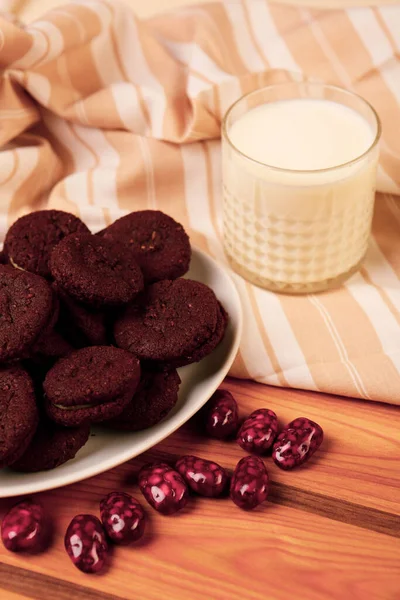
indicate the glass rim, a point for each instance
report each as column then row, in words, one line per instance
column 328, row 86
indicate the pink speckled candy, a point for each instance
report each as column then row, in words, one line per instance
column 249, row 484
column 86, row 544
column 222, row 415
column 297, row 443
column 23, row 528
column 204, row 477
column 258, row 431
column 163, row 488
column 123, row 517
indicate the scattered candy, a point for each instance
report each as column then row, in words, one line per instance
column 123, row 517
column 163, row 488
column 249, row 484
column 258, row 431
column 24, row 528
column 85, row 543
column 297, row 443
column 204, row 477
column 222, row 415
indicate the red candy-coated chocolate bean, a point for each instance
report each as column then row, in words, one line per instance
column 163, row 488
column 23, row 528
column 249, row 484
column 86, row 544
column 297, row 443
column 222, row 415
column 123, row 517
column 204, row 477
column 258, row 431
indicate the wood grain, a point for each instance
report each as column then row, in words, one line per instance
column 13, row 595
column 358, row 461
column 329, row 528
column 215, row 551
column 343, row 511
column 15, row 578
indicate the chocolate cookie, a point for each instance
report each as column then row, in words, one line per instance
column 90, row 385
column 82, row 325
column 55, row 313
column 170, row 320
column 18, row 413
column 51, row 446
column 156, row 395
column 96, row 271
column 159, row 244
column 209, row 345
column 37, row 367
column 51, row 345
column 31, row 239
column 48, row 338
column 26, row 310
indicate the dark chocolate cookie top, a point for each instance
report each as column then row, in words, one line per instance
column 51, row 446
column 18, row 413
column 170, row 320
column 155, row 397
column 208, row 345
column 31, row 239
column 160, row 244
column 26, row 308
column 92, row 376
column 96, row 271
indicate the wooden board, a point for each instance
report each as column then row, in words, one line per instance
column 330, row 529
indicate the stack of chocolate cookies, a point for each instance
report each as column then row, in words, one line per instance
column 93, row 329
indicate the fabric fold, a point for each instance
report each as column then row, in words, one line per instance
column 102, row 113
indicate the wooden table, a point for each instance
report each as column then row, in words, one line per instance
column 329, row 530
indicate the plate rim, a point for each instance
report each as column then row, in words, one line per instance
column 91, row 471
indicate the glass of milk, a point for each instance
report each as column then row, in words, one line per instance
column 299, row 177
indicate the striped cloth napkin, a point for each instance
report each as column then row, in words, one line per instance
column 101, row 114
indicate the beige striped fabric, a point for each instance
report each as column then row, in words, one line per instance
column 29, row 10
column 101, row 113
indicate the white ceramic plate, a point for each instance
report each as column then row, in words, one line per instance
column 108, row 449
